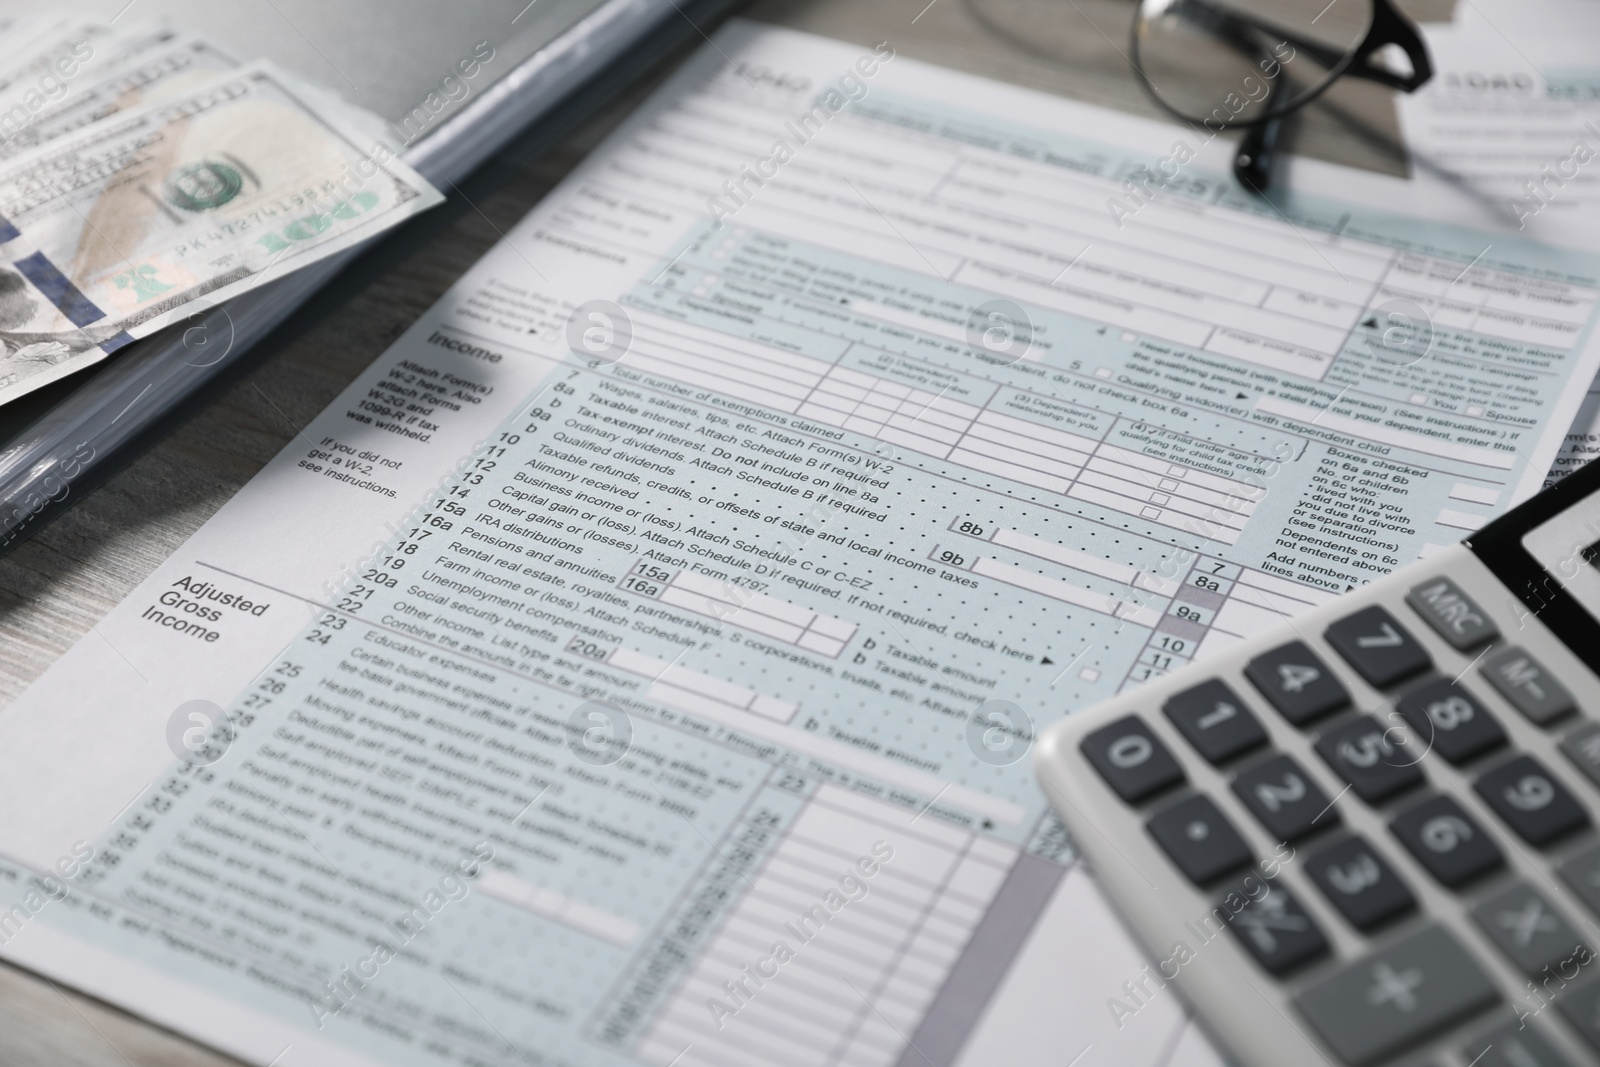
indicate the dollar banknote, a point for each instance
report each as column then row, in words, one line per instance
column 118, row 228
column 119, row 76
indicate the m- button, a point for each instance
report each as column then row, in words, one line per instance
column 1452, row 614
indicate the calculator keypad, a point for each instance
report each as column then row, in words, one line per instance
column 1446, row 719
column 1131, row 759
column 1381, row 650
column 1531, row 801
column 1199, row 839
column 1362, row 753
column 1297, row 683
column 1215, row 721
column 1406, row 978
column 1446, row 841
column 1284, row 798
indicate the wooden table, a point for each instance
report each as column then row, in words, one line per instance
column 56, row 586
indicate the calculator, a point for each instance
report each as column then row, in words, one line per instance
column 1368, row 836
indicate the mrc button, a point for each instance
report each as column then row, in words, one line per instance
column 1131, row 760
column 1452, row 614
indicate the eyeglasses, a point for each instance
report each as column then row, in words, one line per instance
column 1232, row 63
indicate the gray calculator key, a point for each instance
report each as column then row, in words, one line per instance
column 1446, row 840
column 1452, row 614
column 1447, row 719
column 1378, row 1005
column 1531, row 800
column 1271, row 925
column 1356, row 880
column 1582, row 875
column 1215, row 721
column 1296, row 682
column 1131, row 759
column 1512, row 1044
column 1531, row 932
column 1381, row 650
column 1582, row 747
column 1284, row 798
column 1529, row 687
column 1199, row 839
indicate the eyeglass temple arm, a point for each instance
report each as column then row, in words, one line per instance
column 1257, row 152
column 1388, row 27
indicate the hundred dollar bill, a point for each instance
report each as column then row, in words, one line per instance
column 159, row 68
column 115, row 230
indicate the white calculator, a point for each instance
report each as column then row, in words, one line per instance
column 1368, row 836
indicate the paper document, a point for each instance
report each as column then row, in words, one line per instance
column 638, row 663
column 1513, row 115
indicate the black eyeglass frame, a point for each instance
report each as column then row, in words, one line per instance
column 1252, row 163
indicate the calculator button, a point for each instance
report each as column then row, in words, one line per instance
column 1382, row 1003
column 1215, row 721
column 1378, row 647
column 1284, row 798
column 1362, row 753
column 1446, row 840
column 1452, row 614
column 1582, row 747
column 1297, row 683
column 1529, row 930
column 1530, row 800
column 1199, row 839
column 1582, row 875
column 1529, row 688
column 1446, row 719
column 1131, row 760
column 1271, row 924
column 1512, row 1044
column 1357, row 881
column 1581, row 1006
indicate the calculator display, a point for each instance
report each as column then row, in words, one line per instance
column 1563, row 584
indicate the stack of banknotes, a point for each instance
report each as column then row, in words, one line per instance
column 146, row 174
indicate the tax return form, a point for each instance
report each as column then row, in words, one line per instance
column 637, row 663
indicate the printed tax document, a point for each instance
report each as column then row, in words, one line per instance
column 1514, row 115
column 637, row 665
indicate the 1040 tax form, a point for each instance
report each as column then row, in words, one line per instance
column 637, row 663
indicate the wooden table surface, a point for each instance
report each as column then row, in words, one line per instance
column 56, row 586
